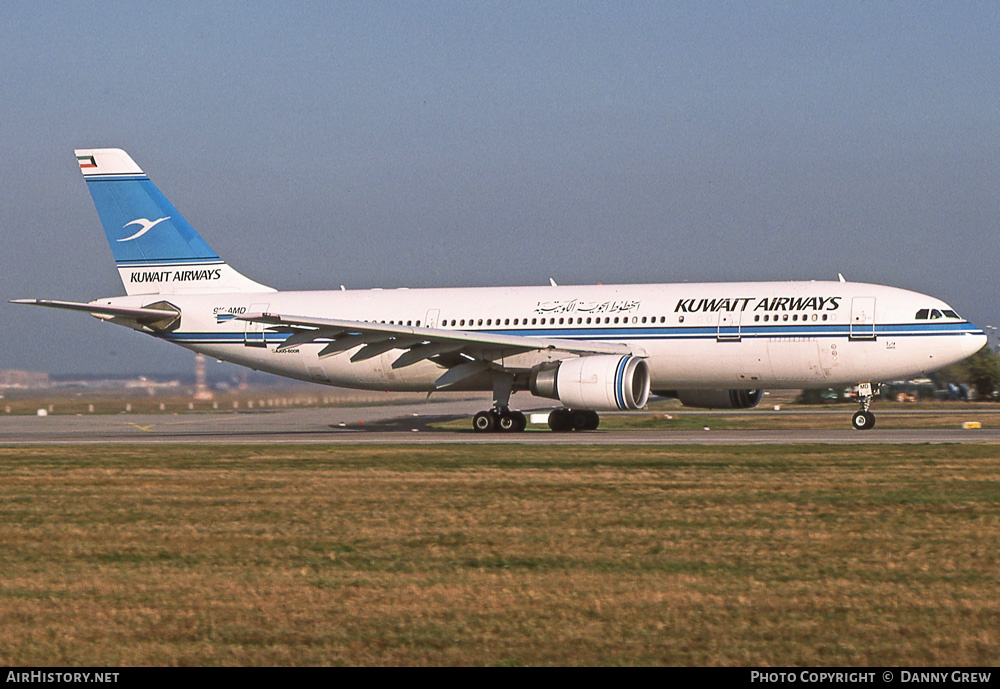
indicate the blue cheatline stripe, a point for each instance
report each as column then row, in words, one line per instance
column 658, row 333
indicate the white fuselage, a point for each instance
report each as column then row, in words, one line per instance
column 693, row 336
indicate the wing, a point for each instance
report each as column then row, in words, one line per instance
column 463, row 353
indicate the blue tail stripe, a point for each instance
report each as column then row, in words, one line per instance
column 129, row 205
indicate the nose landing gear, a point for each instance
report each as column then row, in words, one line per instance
column 864, row 420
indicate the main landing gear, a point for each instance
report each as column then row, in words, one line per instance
column 500, row 418
column 864, row 420
column 503, row 421
column 562, row 420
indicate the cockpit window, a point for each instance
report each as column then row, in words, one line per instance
column 924, row 314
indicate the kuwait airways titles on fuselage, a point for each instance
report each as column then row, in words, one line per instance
column 759, row 304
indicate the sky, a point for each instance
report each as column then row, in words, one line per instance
column 427, row 144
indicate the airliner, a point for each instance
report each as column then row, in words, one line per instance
column 592, row 348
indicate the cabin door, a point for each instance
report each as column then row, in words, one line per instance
column 729, row 326
column 863, row 318
column 253, row 335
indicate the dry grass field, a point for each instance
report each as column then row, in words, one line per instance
column 500, row 555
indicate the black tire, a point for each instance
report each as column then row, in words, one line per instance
column 507, row 423
column 584, row 420
column 863, row 421
column 560, row 420
column 484, row 422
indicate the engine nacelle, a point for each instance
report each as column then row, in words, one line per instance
column 598, row 383
column 719, row 399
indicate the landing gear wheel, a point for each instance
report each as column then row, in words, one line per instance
column 561, row 420
column 485, row 421
column 585, row 420
column 863, row 421
column 512, row 422
column 506, row 422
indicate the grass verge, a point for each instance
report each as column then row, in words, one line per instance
column 500, row 555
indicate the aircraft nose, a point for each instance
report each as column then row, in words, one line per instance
column 973, row 341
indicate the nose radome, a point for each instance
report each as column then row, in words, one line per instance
column 973, row 342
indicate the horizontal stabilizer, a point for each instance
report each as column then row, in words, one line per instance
column 160, row 317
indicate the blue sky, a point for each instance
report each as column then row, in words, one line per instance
column 476, row 143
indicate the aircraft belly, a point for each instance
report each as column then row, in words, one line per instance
column 377, row 373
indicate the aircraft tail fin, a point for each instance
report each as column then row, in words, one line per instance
column 155, row 249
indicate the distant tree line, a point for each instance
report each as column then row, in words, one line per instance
column 981, row 372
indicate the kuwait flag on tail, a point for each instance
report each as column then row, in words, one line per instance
column 86, row 162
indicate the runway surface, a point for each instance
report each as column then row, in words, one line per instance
column 411, row 424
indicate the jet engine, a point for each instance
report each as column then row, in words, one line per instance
column 597, row 383
column 717, row 399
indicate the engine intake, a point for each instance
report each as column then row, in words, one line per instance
column 598, row 383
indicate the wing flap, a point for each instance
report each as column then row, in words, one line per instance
column 478, row 345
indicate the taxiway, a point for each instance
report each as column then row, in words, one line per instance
column 410, row 424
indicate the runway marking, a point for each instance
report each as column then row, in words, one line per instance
column 151, row 426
